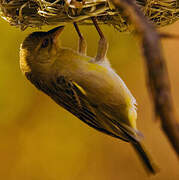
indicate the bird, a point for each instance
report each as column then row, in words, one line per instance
column 88, row 87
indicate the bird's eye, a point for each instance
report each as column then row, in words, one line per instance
column 45, row 43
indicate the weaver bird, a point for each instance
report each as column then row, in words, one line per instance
column 85, row 86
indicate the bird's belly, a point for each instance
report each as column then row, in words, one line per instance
column 108, row 91
column 105, row 87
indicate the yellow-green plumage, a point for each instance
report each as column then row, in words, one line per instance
column 90, row 90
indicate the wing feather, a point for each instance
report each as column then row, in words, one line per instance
column 68, row 95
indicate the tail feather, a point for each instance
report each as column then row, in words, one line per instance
column 125, row 132
column 150, row 167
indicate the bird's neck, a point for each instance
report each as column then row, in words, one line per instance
column 24, row 63
column 30, row 64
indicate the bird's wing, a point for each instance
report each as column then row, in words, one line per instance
column 72, row 97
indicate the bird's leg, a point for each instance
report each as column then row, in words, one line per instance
column 82, row 43
column 102, row 44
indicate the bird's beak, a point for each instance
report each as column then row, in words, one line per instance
column 54, row 33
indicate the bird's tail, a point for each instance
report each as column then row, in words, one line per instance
column 150, row 167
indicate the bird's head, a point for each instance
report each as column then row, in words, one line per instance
column 39, row 48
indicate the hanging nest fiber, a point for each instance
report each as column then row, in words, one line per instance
column 36, row 13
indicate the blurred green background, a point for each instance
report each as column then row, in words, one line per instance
column 41, row 141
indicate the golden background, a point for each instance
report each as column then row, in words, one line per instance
column 41, row 141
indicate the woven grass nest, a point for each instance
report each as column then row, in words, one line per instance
column 36, row 13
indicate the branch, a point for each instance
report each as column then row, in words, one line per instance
column 158, row 80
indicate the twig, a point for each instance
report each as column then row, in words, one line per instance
column 158, row 79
